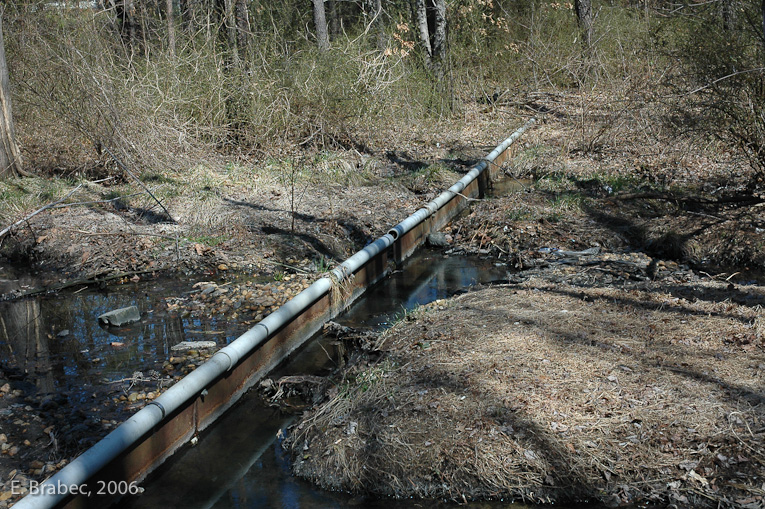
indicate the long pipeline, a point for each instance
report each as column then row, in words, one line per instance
column 195, row 384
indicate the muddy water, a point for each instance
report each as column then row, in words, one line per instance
column 239, row 463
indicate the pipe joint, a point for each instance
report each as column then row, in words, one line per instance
column 158, row 405
column 230, row 360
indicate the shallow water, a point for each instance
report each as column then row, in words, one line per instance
column 239, row 463
column 57, row 342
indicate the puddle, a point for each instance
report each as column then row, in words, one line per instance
column 57, row 343
column 239, row 462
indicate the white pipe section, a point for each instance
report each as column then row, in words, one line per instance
column 55, row 489
column 432, row 207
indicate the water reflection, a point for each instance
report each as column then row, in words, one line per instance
column 22, row 339
column 56, row 343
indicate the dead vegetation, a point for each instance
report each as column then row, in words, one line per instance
column 556, row 389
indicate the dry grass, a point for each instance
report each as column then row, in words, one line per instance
column 548, row 393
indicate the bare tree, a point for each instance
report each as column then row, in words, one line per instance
column 584, row 17
column 334, row 18
column 10, row 157
column 375, row 15
column 320, row 23
column 243, row 28
column 127, row 19
column 170, row 27
column 430, row 20
column 229, row 17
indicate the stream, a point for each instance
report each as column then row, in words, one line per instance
column 57, row 343
column 239, row 462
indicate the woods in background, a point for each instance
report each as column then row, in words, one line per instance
column 151, row 80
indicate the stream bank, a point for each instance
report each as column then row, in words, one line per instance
column 571, row 383
column 621, row 363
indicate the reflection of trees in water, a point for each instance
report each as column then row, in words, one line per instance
column 25, row 343
column 174, row 332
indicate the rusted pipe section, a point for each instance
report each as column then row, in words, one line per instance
column 152, row 434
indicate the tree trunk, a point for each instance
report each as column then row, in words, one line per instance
column 243, row 28
column 728, row 14
column 320, row 22
column 230, row 25
column 421, row 22
column 334, row 18
column 127, row 20
column 170, row 27
column 10, row 157
column 438, row 42
column 379, row 24
column 584, row 17
column 430, row 19
column 762, row 8
column 186, row 11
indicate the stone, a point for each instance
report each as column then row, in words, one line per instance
column 5, row 388
column 120, row 317
column 436, row 239
column 132, row 397
column 64, row 333
column 48, row 403
column 192, row 345
column 3, row 438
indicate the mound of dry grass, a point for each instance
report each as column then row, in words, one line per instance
column 550, row 393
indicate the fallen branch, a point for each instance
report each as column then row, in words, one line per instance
column 140, row 182
column 85, row 281
column 95, row 202
column 48, row 206
column 41, row 209
column 737, row 199
column 104, row 234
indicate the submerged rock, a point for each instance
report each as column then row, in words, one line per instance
column 120, row 317
column 437, row 239
column 193, row 345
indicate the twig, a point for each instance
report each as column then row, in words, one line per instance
column 287, row 266
column 42, row 209
column 706, row 215
column 62, row 286
column 94, row 202
column 718, row 80
column 99, row 234
column 468, row 198
column 48, row 206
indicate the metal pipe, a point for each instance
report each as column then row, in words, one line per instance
column 432, row 207
column 192, row 385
